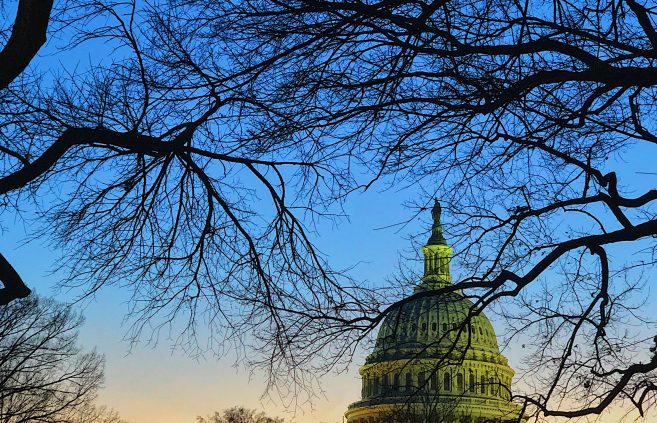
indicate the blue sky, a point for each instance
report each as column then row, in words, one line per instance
column 158, row 383
column 148, row 383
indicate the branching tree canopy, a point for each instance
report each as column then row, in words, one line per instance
column 152, row 165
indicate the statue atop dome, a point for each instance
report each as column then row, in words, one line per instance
column 437, row 237
column 436, row 211
column 437, row 255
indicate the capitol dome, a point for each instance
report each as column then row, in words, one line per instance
column 436, row 358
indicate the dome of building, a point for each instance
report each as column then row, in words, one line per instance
column 436, row 357
column 427, row 327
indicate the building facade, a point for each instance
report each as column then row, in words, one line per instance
column 431, row 363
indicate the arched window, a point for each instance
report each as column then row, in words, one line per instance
column 447, row 382
column 459, row 382
column 421, row 380
column 395, row 383
column 472, row 382
column 483, row 384
column 409, row 381
column 384, row 384
column 434, row 381
column 493, row 386
column 444, row 327
column 424, row 327
column 434, row 326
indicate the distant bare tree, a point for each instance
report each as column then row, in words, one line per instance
column 44, row 375
column 239, row 415
column 93, row 414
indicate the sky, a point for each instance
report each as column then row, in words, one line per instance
column 158, row 383
column 146, row 383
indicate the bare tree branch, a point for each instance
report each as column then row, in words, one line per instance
column 27, row 37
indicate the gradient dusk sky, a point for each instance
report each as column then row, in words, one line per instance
column 158, row 383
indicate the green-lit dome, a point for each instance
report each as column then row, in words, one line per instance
column 427, row 327
column 436, row 357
